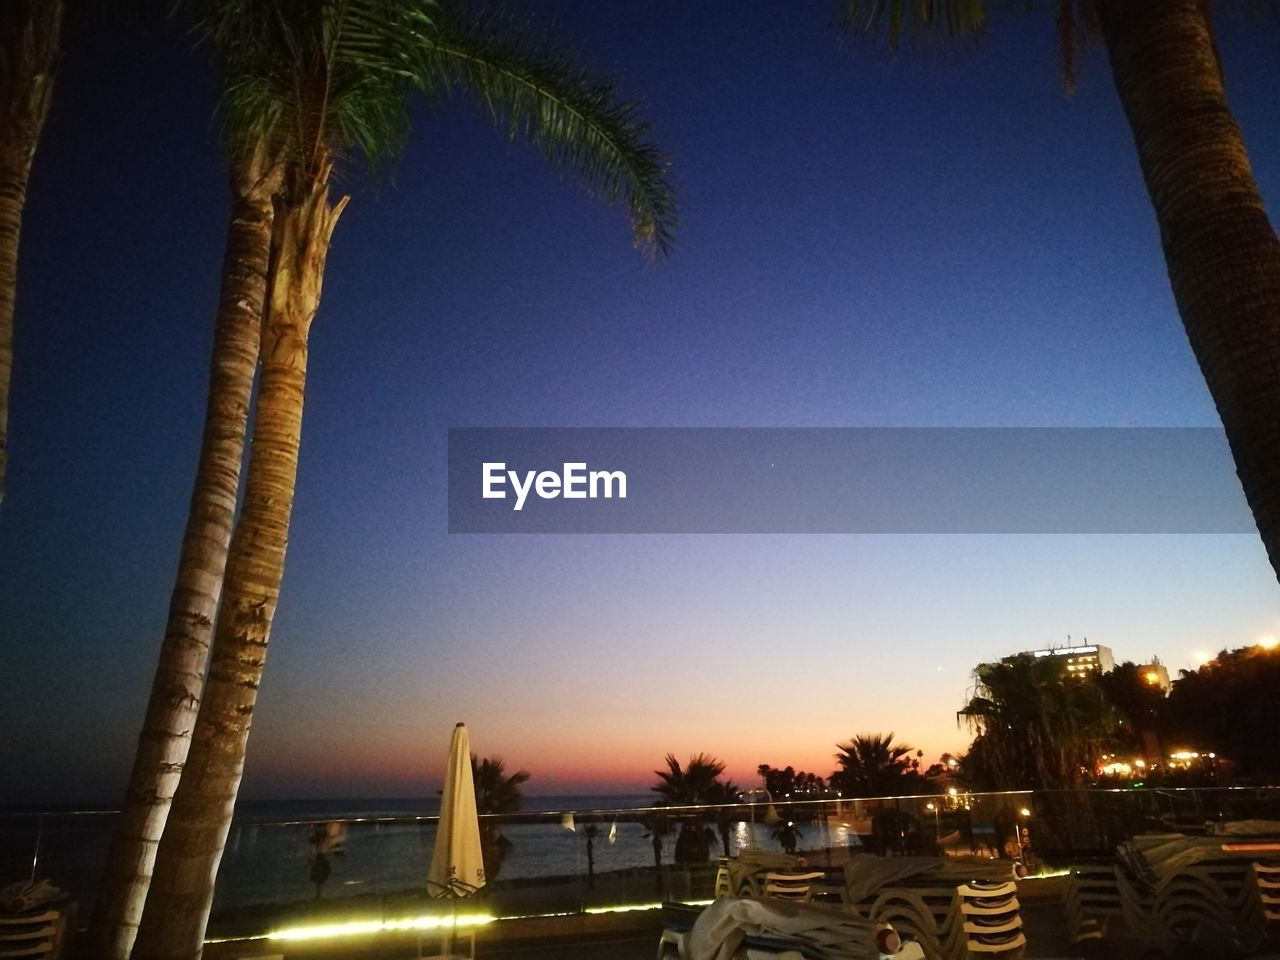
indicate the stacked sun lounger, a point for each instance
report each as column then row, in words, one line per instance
column 953, row 923
column 954, row 909
column 1097, row 893
column 1091, row 899
column 1266, row 885
column 946, row 908
column 35, row 921
column 1173, row 889
column 991, row 920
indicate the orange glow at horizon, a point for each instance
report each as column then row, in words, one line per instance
column 597, row 758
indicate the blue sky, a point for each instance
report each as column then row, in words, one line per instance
column 942, row 240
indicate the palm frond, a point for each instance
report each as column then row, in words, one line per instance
column 920, row 22
column 317, row 79
column 915, row 21
column 540, row 94
column 321, row 79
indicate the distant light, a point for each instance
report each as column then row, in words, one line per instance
column 1152, row 677
column 952, row 790
column 1061, row 651
column 1025, row 812
column 928, row 806
column 1268, row 643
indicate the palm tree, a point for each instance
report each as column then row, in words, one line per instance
column 1038, row 729
column 1220, row 248
column 872, row 765
column 317, row 82
column 787, row 835
column 193, row 605
column 724, row 794
column 689, row 785
column 496, row 793
column 1228, row 705
column 1138, row 701
column 656, row 828
column 692, row 785
column 30, row 33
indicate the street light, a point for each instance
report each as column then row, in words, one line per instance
column 1017, row 826
column 937, row 823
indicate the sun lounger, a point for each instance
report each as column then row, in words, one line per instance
column 35, row 935
column 1173, row 890
column 790, row 886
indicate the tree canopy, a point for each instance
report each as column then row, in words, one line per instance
column 872, row 765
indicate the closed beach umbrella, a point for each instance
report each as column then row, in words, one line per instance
column 457, row 866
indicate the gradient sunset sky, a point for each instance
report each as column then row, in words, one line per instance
column 940, row 240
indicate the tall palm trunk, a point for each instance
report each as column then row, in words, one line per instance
column 177, row 907
column 657, row 860
column 29, row 37
column 1221, row 250
column 184, row 652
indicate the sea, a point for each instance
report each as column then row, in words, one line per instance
column 383, row 846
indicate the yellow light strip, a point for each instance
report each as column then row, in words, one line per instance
column 356, row 928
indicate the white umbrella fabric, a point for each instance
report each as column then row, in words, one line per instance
column 457, row 862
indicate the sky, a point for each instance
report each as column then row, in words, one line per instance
column 942, row 239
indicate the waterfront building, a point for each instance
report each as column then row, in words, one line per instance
column 1156, row 674
column 1079, row 660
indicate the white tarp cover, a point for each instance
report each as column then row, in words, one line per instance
column 825, row 932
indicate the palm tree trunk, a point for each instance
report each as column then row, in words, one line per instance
column 29, row 32
column 657, row 862
column 177, row 908
column 1221, row 250
column 184, row 652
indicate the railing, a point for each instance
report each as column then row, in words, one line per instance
column 569, row 861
